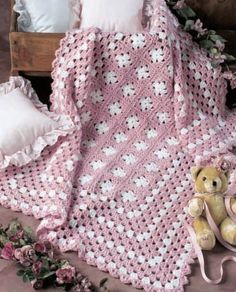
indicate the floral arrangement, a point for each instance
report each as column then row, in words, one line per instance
column 212, row 42
column 38, row 263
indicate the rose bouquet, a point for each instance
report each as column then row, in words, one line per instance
column 39, row 262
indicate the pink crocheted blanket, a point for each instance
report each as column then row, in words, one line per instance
column 145, row 106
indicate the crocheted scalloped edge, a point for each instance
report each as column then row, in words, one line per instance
column 76, row 10
column 24, row 19
column 43, row 230
column 33, row 151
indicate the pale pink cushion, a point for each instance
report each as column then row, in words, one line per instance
column 27, row 126
column 112, row 15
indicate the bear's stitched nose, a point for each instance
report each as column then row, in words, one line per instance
column 214, row 183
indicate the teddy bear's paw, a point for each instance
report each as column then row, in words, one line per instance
column 233, row 205
column 228, row 231
column 195, row 207
column 206, row 240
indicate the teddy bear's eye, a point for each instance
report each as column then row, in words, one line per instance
column 204, row 178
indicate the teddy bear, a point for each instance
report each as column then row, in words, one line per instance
column 211, row 183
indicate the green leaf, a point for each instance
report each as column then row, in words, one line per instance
column 31, row 277
column 20, row 273
column 26, row 278
column 188, row 24
column 230, row 57
column 22, row 242
column 206, row 44
column 14, row 227
column 29, row 233
column 45, row 263
column 47, row 274
column 186, row 12
column 216, row 37
column 3, row 240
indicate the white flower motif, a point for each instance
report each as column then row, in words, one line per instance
column 85, row 179
column 128, row 90
column 138, row 41
column 129, row 159
column 110, row 77
column 79, row 80
column 128, row 196
column 109, row 150
column 172, row 141
column 160, row 88
column 69, row 165
column 119, row 36
column 99, row 63
column 115, row 108
column 79, row 103
column 85, row 117
column 106, row 186
column 123, row 60
column 163, row 118
column 120, row 137
column 64, row 74
column 151, row 167
column 142, row 72
column 157, row 55
column 141, row 146
column 170, row 70
column 111, row 46
column 132, row 122
column 98, row 164
column 118, row 172
column 97, row 96
column 101, row 128
column 146, row 103
column 90, row 143
column 151, row 133
column 83, row 47
column 141, row 182
column 92, row 36
column 162, row 153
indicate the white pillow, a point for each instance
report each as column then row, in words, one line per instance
column 26, row 125
column 112, row 15
column 52, row 16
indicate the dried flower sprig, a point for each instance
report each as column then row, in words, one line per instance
column 212, row 42
column 38, row 263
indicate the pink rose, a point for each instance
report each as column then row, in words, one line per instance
column 7, row 252
column 65, row 275
column 36, row 268
column 223, row 165
column 26, row 255
column 40, row 247
column 198, row 26
column 229, row 75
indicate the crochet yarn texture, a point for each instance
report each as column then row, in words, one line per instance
column 144, row 105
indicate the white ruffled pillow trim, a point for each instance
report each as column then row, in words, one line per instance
column 33, row 151
column 76, row 10
column 23, row 20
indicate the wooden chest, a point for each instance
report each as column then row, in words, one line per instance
column 31, row 53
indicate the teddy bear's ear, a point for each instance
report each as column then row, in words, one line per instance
column 195, row 170
column 227, row 174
